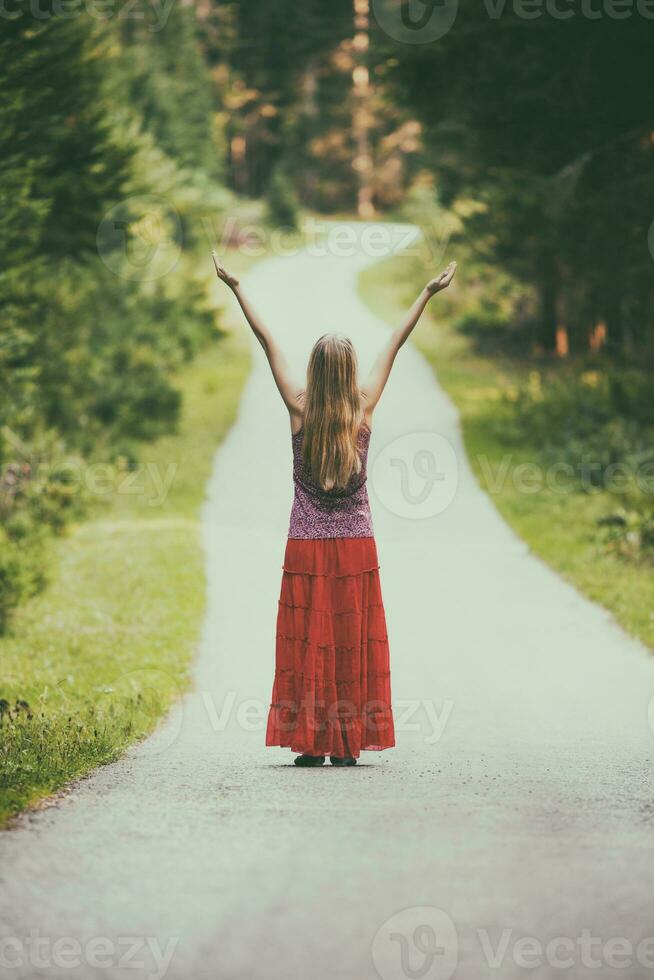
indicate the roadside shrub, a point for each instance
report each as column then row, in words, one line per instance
column 88, row 378
column 576, row 415
column 23, row 570
column 41, row 491
column 492, row 330
column 629, row 533
column 141, row 404
column 599, row 425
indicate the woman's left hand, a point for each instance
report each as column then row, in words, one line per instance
column 442, row 281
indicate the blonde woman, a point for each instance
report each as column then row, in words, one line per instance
column 332, row 690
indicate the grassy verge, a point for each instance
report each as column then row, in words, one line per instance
column 93, row 662
column 562, row 528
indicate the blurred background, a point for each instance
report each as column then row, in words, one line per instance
column 134, row 136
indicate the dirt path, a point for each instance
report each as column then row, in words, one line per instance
column 518, row 802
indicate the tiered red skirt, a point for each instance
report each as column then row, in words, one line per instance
column 332, row 689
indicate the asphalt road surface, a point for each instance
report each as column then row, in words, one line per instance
column 509, row 834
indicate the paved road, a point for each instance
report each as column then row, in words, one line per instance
column 517, row 806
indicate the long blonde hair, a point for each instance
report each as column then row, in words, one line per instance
column 332, row 413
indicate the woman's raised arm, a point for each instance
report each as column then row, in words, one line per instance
column 288, row 388
column 376, row 381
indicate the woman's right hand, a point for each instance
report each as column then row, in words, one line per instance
column 222, row 272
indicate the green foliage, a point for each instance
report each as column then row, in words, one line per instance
column 284, row 79
column 490, row 329
column 93, row 662
column 586, row 425
column 548, row 125
column 40, row 492
column 581, row 415
column 282, row 205
column 164, row 77
column 61, row 163
column 22, row 570
column 86, row 352
column 590, row 524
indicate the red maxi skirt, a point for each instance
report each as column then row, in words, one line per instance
column 332, row 688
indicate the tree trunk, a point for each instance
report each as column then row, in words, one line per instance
column 549, row 309
column 614, row 326
column 361, row 121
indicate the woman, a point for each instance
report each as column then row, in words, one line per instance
column 332, row 693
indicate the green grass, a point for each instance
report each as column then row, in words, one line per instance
column 103, row 652
column 559, row 527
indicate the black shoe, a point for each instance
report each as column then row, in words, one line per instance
column 310, row 760
column 347, row 760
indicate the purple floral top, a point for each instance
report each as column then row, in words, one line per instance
column 318, row 513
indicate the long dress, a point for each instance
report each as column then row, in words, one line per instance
column 332, row 688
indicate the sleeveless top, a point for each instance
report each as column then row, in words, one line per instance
column 318, row 513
